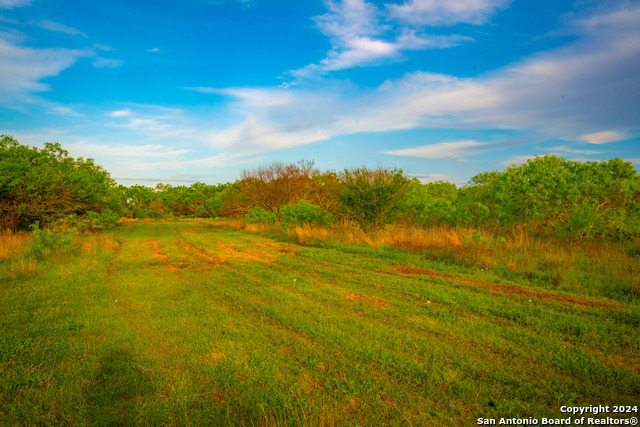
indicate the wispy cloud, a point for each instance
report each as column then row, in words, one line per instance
column 121, row 152
column 442, row 150
column 125, row 159
column 518, row 160
column 360, row 37
column 64, row 111
column 445, row 12
column 152, row 122
column 566, row 149
column 57, row 27
column 23, row 68
column 154, row 50
column 555, row 94
column 602, row 137
column 434, row 177
column 9, row 4
column 107, row 63
column 119, row 113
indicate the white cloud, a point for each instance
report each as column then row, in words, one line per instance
column 565, row 149
column 256, row 136
column 518, row 160
column 565, row 93
column 442, row 150
column 8, row 4
column 123, row 159
column 123, row 152
column 23, row 68
column 154, row 123
column 445, row 12
column 119, row 113
column 154, row 50
column 58, row 27
column 107, row 63
column 251, row 97
column 434, row 177
column 634, row 161
column 64, row 111
column 360, row 38
column 602, row 137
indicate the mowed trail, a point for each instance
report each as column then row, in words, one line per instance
column 225, row 324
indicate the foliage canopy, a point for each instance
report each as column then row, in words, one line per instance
column 45, row 184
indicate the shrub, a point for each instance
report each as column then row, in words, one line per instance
column 43, row 242
column 550, row 193
column 258, row 214
column 104, row 220
column 45, row 184
column 304, row 212
column 372, row 198
column 429, row 204
column 273, row 186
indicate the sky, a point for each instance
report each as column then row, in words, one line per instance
column 184, row 91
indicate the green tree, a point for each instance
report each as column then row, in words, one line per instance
column 45, row 184
column 372, row 198
column 551, row 193
column 429, row 204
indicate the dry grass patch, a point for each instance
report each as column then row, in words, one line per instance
column 23, row 267
column 505, row 289
column 12, row 243
column 365, row 298
column 94, row 243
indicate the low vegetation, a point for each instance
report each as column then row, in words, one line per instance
column 300, row 297
column 548, row 195
column 202, row 322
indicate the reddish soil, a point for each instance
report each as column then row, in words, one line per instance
column 371, row 300
column 506, row 289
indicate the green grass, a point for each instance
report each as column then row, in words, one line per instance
column 190, row 323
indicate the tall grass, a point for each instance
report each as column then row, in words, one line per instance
column 12, row 243
column 22, row 254
column 599, row 268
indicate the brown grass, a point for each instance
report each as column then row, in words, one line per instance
column 365, row 298
column 504, row 288
column 566, row 262
column 94, row 243
column 12, row 243
column 23, row 267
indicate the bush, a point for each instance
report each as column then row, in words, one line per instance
column 304, row 212
column 273, row 186
column 45, row 184
column 43, row 242
column 372, row 198
column 259, row 214
column 104, row 220
column 429, row 204
column 580, row 199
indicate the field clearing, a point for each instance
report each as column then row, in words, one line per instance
column 195, row 323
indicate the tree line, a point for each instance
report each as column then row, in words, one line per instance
column 548, row 194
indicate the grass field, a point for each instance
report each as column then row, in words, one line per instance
column 197, row 323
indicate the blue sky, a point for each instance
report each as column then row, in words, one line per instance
column 182, row 91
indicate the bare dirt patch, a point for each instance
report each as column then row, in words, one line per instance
column 157, row 252
column 159, row 258
column 371, row 300
column 278, row 247
column 231, row 252
column 410, row 270
column 192, row 230
column 505, row 289
column 206, row 259
column 154, row 245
